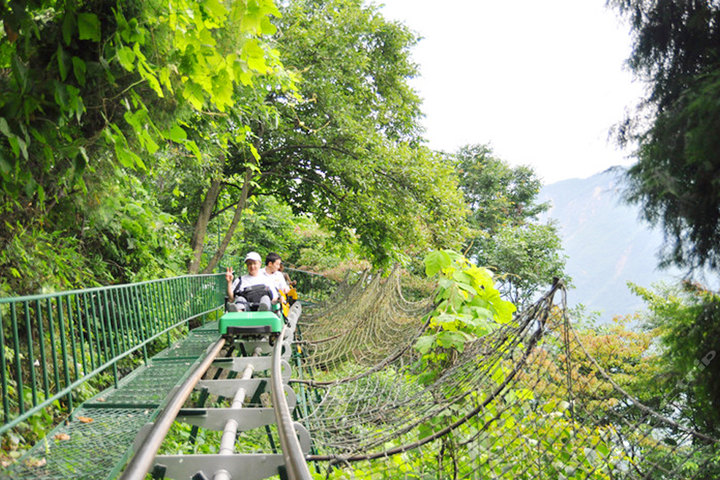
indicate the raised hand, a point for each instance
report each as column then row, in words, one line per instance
column 229, row 274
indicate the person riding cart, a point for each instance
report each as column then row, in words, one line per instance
column 254, row 291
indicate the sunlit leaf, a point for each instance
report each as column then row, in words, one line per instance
column 88, row 27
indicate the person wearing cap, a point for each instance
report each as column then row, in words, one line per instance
column 239, row 289
column 272, row 270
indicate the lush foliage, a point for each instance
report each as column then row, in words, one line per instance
column 687, row 324
column 497, row 193
column 677, row 51
column 269, row 225
column 468, row 306
column 528, row 258
column 344, row 147
column 92, row 95
column 348, row 150
column 503, row 214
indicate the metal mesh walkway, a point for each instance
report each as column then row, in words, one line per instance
column 97, row 441
column 147, row 388
column 93, row 450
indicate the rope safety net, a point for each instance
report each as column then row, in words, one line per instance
column 525, row 401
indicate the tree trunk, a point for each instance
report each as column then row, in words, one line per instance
column 198, row 238
column 233, row 225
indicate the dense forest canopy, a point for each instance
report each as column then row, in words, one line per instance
column 677, row 53
column 137, row 139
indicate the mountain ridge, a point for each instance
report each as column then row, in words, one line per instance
column 606, row 242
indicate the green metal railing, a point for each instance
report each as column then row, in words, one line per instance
column 52, row 344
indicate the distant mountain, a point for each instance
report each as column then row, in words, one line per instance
column 606, row 243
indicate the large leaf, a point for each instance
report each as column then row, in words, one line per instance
column 88, row 27
column 435, row 261
column 454, row 340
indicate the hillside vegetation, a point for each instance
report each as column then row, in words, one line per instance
column 148, row 139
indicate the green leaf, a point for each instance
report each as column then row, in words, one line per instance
column 5, row 166
column 603, row 449
column 126, row 157
column 164, row 78
column 222, row 90
column 503, row 310
column 20, row 71
column 446, row 319
column 151, row 79
column 74, row 101
column 454, row 340
column 192, row 146
column 176, row 134
column 255, row 56
column 257, row 64
column 126, row 57
column 88, row 27
column 23, row 147
column 435, row 261
column 5, row 128
column 194, row 94
column 136, row 120
column 79, row 69
column 148, row 142
column 464, row 278
column 216, row 9
column 68, row 26
column 254, row 152
column 14, row 145
column 62, row 63
column 267, row 27
column 425, row 343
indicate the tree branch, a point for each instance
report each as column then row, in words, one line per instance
column 275, row 150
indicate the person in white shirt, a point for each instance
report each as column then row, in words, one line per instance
column 272, row 270
column 253, row 288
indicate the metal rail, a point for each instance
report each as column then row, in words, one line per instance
column 141, row 463
column 295, row 463
column 226, row 464
column 227, row 442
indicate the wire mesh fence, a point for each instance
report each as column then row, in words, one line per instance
column 533, row 399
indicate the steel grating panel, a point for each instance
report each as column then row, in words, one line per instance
column 97, row 449
column 191, row 347
column 92, row 446
column 207, row 327
column 147, row 389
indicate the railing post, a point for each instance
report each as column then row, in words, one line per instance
column 71, row 328
column 112, row 334
column 3, row 379
column 79, row 313
column 31, row 356
column 63, row 348
column 41, row 341
column 18, row 363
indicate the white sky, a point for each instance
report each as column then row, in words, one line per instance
column 541, row 81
